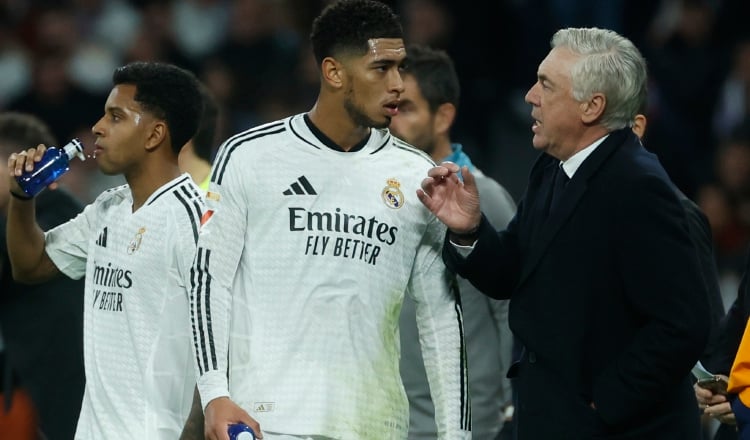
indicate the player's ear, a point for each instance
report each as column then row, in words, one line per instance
column 444, row 117
column 592, row 109
column 332, row 71
column 639, row 125
column 157, row 134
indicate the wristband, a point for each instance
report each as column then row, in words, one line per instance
column 20, row 197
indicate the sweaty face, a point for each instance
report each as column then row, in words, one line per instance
column 122, row 132
column 414, row 122
column 557, row 115
column 374, row 83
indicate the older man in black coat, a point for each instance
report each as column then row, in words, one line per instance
column 606, row 293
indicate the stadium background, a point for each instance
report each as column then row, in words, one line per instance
column 56, row 60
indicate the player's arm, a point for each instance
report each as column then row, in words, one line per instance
column 440, row 324
column 220, row 245
column 185, row 243
column 25, row 238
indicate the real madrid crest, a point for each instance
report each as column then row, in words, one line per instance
column 135, row 243
column 392, row 195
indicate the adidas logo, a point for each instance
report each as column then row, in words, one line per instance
column 264, row 406
column 102, row 240
column 301, row 187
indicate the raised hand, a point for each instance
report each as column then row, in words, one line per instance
column 453, row 201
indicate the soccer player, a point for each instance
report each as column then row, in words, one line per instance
column 314, row 238
column 134, row 244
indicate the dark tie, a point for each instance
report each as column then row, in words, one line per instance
column 558, row 187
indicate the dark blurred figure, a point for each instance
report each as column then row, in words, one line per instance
column 733, row 105
column 41, row 324
column 687, row 65
column 726, row 201
column 462, row 32
column 52, row 36
column 154, row 40
column 731, row 20
column 196, row 156
column 64, row 106
column 260, row 54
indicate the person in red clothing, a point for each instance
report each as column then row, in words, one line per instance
column 18, row 420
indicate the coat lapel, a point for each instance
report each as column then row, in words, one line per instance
column 545, row 228
column 541, row 202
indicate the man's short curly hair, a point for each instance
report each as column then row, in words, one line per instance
column 169, row 93
column 346, row 26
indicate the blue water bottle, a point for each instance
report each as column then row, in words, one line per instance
column 240, row 431
column 55, row 162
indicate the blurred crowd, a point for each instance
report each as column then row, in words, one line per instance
column 57, row 57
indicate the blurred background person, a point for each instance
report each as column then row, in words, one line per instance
column 725, row 199
column 427, row 110
column 733, row 106
column 41, row 324
column 196, row 156
column 700, row 231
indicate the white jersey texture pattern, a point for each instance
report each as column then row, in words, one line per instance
column 299, row 279
column 137, row 339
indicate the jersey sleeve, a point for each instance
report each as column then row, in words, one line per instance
column 185, row 236
column 220, row 244
column 67, row 244
column 440, row 325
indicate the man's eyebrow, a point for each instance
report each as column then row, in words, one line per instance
column 385, row 62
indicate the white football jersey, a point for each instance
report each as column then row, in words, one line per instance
column 137, row 338
column 299, row 278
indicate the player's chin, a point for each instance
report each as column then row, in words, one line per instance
column 107, row 168
column 383, row 123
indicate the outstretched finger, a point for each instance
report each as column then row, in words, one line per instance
column 424, row 198
column 450, row 166
column 439, row 172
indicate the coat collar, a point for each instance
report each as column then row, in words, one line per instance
column 544, row 230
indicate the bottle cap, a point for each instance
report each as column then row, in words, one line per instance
column 240, row 431
column 74, row 148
